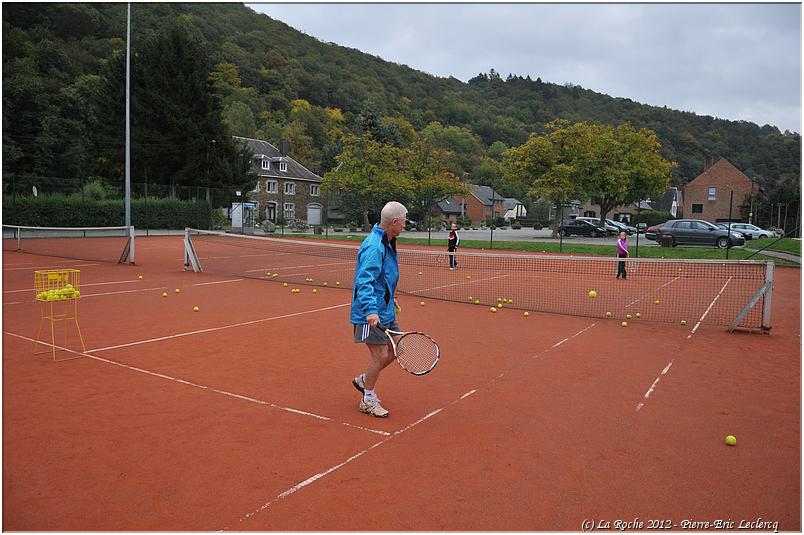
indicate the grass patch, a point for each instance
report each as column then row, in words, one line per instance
column 580, row 249
column 784, row 245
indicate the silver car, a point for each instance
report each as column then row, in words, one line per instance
column 694, row 232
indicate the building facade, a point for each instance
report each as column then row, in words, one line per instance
column 717, row 192
column 286, row 191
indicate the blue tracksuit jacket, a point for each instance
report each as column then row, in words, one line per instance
column 376, row 277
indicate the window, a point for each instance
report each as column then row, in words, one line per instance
column 712, row 194
column 290, row 188
column 270, row 186
column 283, row 166
column 266, row 164
column 270, row 212
column 315, row 190
column 697, row 208
column 290, row 211
column 682, row 225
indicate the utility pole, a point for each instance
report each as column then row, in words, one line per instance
column 128, row 118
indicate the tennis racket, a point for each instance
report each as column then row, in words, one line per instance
column 415, row 352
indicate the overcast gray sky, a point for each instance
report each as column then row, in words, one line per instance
column 733, row 61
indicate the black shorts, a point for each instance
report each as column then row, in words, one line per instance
column 366, row 334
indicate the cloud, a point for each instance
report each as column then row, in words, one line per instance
column 734, row 61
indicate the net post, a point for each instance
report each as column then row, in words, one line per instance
column 766, row 309
column 131, row 232
column 190, row 258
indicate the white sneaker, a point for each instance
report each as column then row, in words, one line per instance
column 372, row 407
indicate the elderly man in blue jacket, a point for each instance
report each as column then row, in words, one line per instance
column 373, row 303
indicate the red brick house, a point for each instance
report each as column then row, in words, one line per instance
column 481, row 204
column 707, row 195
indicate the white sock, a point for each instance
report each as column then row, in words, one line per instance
column 367, row 394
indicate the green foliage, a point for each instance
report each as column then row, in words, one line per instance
column 652, row 217
column 73, row 211
column 206, row 71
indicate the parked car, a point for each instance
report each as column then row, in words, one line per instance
column 581, row 227
column 694, row 232
column 610, row 229
column 410, row 224
column 750, row 231
column 622, row 227
column 725, row 226
column 641, row 227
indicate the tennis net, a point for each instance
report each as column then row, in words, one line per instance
column 106, row 244
column 707, row 292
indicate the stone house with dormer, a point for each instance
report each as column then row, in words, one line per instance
column 285, row 189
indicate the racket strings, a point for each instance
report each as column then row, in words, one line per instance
column 417, row 353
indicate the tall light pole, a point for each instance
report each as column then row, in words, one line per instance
column 128, row 119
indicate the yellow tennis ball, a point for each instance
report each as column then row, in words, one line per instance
column 468, row 277
column 525, row 314
column 657, row 301
column 592, row 294
column 315, row 291
column 608, row 314
column 337, row 283
column 140, row 277
column 421, row 303
column 628, row 316
column 492, row 309
column 638, row 315
column 164, row 294
column 624, row 324
column 325, row 284
column 195, row 309
column 683, row 322
column 500, row 305
column 284, row 284
column 477, row 301
column 178, row 290
column 420, row 272
column 731, row 440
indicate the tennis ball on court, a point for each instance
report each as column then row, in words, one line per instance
column 608, row 314
column 284, row 284
column 624, row 324
column 628, row 316
column 397, row 309
column 657, row 301
column 325, row 284
column 315, row 291
column 492, row 309
column 77, row 293
column 477, row 301
column 731, row 440
column 592, row 294
column 525, row 314
column 420, row 272
column 421, row 303
column 337, row 283
column 178, row 290
column 275, row 275
column 140, row 277
column 164, row 294
column 638, row 315
column 468, row 277
column 683, row 322
column 195, row 309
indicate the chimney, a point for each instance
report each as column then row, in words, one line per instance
column 283, row 147
column 708, row 161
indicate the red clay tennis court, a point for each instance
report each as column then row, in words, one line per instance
column 242, row 416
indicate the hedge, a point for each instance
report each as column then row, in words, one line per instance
column 73, row 211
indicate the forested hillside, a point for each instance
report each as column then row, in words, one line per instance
column 63, row 100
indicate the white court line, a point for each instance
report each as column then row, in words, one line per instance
column 49, row 267
column 569, row 338
column 709, row 308
column 297, row 267
column 316, row 477
column 213, row 329
column 196, row 385
column 216, row 282
column 83, row 285
column 653, row 386
column 659, row 288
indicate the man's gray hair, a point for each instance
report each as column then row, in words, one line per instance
column 392, row 210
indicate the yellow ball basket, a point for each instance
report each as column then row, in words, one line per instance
column 54, row 286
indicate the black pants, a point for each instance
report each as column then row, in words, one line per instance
column 621, row 267
column 452, row 262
